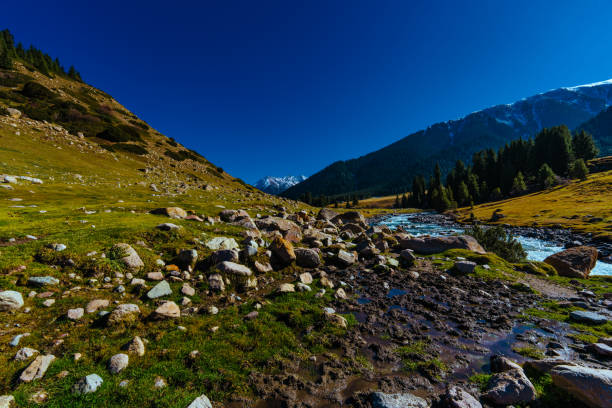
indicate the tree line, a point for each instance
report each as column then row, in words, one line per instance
column 519, row 166
column 9, row 51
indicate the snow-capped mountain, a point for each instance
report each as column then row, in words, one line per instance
column 392, row 168
column 276, row 185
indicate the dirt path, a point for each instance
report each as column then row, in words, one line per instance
column 547, row 288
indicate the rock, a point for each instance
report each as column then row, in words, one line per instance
column 590, row 385
column 75, row 314
column 118, row 363
column 288, row 229
column 456, row 397
column 407, row 257
column 326, row 214
column 434, row 245
column 252, row 315
column 263, row 267
column 224, row 255
column 88, row 384
column 187, row 290
column 172, row 212
column 544, row 366
column 159, row 382
column 340, row 294
column 135, row 346
column 307, row 258
column 222, row 243
column 232, row 268
column 500, row 364
column 10, row 300
column 201, row 402
column 301, row 287
column 96, row 304
column 215, row 282
column 286, row 288
column 346, row 258
column 353, row 217
column 13, row 113
column 159, row 290
column 7, row 401
column 465, row 267
column 168, row 310
column 336, row 320
column 155, row 276
column 57, row 247
column 509, row 388
column 574, row 262
column 37, row 369
column 283, row 250
column 125, row 313
column 602, row 349
column 128, row 256
column 587, row 317
column 406, row 400
column 48, row 302
column 306, row 278
column 186, row 259
column 167, row 226
column 43, row 281
column 25, row 353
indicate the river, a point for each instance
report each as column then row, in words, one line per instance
column 537, row 249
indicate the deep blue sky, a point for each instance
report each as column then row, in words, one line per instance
column 288, row 87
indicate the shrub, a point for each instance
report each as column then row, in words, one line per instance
column 35, row 90
column 128, row 148
column 579, row 170
column 120, row 133
column 497, row 240
column 546, row 177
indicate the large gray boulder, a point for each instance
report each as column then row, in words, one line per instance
column 201, row 402
column 405, row 400
column 574, row 262
column 326, row 214
column 289, row 229
column 582, row 316
column 161, row 289
column 456, row 397
column 87, row 384
column 435, row 245
column 590, row 385
column 37, row 368
column 509, row 388
column 307, row 258
column 129, row 256
column 221, row 243
column 10, row 300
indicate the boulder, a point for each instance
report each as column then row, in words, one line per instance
column 456, row 397
column 201, row 402
column 7, row 401
column 37, row 369
column 574, row 262
column 159, row 290
column 405, row 400
column 224, row 255
column 129, row 256
column 289, row 229
column 96, row 304
column 75, row 314
column 13, row 113
column 601, row 349
column 435, row 245
column 118, row 363
column 241, row 276
column 305, row 278
column 168, row 310
column 88, row 384
column 346, row 258
column 215, row 282
column 43, row 281
column 186, row 259
column 167, row 226
column 407, row 257
column 125, row 313
column 354, row 217
column 307, row 258
column 172, row 212
column 221, row 243
column 326, row 214
column 10, row 300
column 590, row 385
column 283, row 250
column 465, row 267
column 587, row 317
column 509, row 388
column 25, row 353
column 286, row 288
column 135, row 346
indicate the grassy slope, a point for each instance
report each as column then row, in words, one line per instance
column 566, row 206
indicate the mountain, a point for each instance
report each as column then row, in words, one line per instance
column 276, row 185
column 392, row 168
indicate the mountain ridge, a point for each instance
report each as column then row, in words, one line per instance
column 390, row 170
column 276, row 185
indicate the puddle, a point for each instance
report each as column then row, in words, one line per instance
column 396, row 292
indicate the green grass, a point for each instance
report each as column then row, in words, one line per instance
column 530, row 352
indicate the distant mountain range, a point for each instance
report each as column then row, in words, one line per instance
column 392, row 168
column 276, row 185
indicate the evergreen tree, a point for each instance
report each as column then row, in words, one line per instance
column 518, row 185
column 584, row 146
column 553, row 146
column 463, row 195
column 404, row 201
column 546, row 176
column 355, row 201
column 397, row 202
column 6, row 62
column 579, row 170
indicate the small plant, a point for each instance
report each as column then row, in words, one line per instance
column 481, row 380
column 498, row 241
column 530, row 352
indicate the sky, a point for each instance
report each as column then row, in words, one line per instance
column 288, row 87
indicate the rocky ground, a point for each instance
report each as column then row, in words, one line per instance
column 305, row 310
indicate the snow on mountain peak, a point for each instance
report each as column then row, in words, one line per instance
column 276, row 185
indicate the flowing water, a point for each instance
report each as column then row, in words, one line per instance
column 537, row 249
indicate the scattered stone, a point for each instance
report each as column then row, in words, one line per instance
column 25, row 353
column 435, row 245
column 172, row 212
column 283, row 250
column 155, row 276
column 465, row 267
column 307, row 258
column 57, row 247
column 602, row 349
column 590, row 385
column 75, row 314
column 306, row 278
column 216, row 283
column 88, row 384
column 118, row 363
column 48, row 302
column 222, row 243
column 43, row 281
column 124, row 313
column 406, row 400
column 252, row 315
column 37, row 369
column 407, row 257
column 186, row 259
column 286, row 288
column 10, row 300
column 201, row 402
column 7, row 401
column 187, row 290
column 168, row 310
column 129, row 256
column 457, row 397
column 167, row 226
column 340, row 294
column 574, row 262
column 159, row 382
column 159, row 290
column 135, row 346
column 509, row 388
column 587, row 317
column 96, row 304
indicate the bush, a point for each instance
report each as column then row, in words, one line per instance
column 579, row 170
column 498, row 241
column 120, row 133
column 546, row 177
column 128, row 148
column 37, row 91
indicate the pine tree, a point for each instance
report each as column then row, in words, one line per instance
column 6, row 62
column 405, row 203
column 355, row 201
column 463, row 195
column 579, row 170
column 397, row 201
column 518, row 185
column 584, row 146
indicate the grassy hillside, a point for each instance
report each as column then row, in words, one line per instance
column 583, row 206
